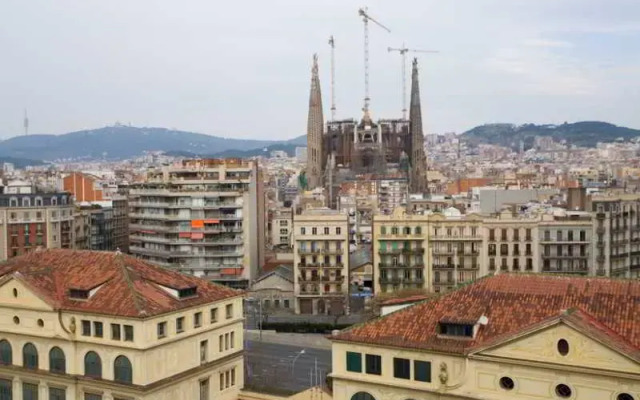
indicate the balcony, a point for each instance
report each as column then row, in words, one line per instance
column 565, row 256
column 600, row 259
column 309, row 279
column 310, row 252
column 333, row 279
column 333, row 252
column 565, row 270
column 389, row 281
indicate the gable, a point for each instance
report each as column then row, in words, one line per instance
column 274, row 281
column 25, row 298
column 542, row 346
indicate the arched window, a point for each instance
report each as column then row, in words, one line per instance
column 26, row 202
column 57, row 361
column 6, row 354
column 54, row 201
column 38, row 201
column 30, row 356
column 64, row 200
column 362, row 396
column 13, row 202
column 92, row 365
column 122, row 370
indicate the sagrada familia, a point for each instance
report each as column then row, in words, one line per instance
column 365, row 149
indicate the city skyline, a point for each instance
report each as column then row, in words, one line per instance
column 162, row 66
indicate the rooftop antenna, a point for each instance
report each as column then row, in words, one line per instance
column 403, row 52
column 26, row 122
column 332, row 43
column 366, row 18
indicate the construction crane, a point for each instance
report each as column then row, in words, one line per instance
column 403, row 52
column 366, row 18
column 332, row 43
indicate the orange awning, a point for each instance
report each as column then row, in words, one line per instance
column 197, row 223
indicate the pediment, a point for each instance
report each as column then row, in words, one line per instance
column 584, row 350
column 15, row 293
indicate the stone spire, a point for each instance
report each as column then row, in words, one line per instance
column 417, row 157
column 315, row 128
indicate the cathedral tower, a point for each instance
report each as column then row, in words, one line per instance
column 417, row 158
column 315, row 129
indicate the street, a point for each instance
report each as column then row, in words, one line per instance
column 283, row 368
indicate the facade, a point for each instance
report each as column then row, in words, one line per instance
column 204, row 217
column 35, row 220
column 566, row 243
column 365, row 146
column 281, row 226
column 321, row 262
column 120, row 206
column 617, row 234
column 503, row 337
column 512, row 243
column 83, row 187
column 167, row 336
column 274, row 290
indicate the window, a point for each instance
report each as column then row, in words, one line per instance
column 86, row 328
column 57, row 394
column 6, row 353
column 221, row 343
column 92, row 365
column 221, row 381
column 326, row 230
column 286, row 303
column 6, row 389
column 624, row 396
column 233, row 377
column 226, row 341
column 179, row 324
column 162, row 330
column 354, row 362
column 383, row 230
column 97, row 329
column 30, row 356
column 507, row 383
column 204, row 350
column 563, row 391
column 232, row 339
column 362, row 396
column 204, row 389
column 583, row 236
column 128, row 333
column 422, row 371
column 122, row 370
column 456, row 329
column 314, row 231
column 302, row 231
column 401, row 368
column 373, row 364
column 229, row 311
column 29, row 391
column 214, row 315
column 563, row 347
column 115, row 331
column 338, row 230
column 57, row 361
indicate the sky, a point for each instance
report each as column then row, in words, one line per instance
column 242, row 68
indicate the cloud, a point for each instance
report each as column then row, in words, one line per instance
column 547, row 43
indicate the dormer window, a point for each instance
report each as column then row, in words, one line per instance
column 458, row 330
column 78, row 294
column 188, row 292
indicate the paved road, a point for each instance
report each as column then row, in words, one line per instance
column 271, row 365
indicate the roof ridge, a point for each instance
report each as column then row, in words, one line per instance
column 127, row 278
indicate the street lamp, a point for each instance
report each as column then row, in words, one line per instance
column 293, row 363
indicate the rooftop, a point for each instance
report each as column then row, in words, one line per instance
column 511, row 305
column 109, row 283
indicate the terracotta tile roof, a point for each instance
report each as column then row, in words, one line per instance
column 403, row 300
column 513, row 304
column 127, row 286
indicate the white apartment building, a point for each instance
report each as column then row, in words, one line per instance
column 321, row 262
column 203, row 217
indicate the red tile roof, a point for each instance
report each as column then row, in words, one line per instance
column 513, row 304
column 403, row 300
column 128, row 287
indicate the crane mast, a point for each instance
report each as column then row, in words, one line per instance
column 366, row 18
column 403, row 53
column 332, row 43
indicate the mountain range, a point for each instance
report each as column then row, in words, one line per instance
column 121, row 142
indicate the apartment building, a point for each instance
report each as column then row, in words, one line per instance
column 502, row 337
column 281, row 226
column 203, row 217
column 321, row 262
column 425, row 251
column 617, row 234
column 84, row 325
column 565, row 239
column 511, row 243
column 31, row 220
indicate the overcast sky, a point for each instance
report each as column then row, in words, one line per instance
column 242, row 68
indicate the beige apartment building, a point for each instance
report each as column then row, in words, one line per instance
column 512, row 243
column 84, row 325
column 202, row 217
column 508, row 336
column 566, row 244
column 321, row 262
column 281, row 226
column 30, row 220
column 432, row 251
